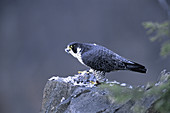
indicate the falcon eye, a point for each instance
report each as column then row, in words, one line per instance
column 72, row 46
column 74, row 49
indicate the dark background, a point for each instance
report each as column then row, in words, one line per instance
column 34, row 33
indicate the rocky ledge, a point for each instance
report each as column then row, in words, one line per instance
column 82, row 94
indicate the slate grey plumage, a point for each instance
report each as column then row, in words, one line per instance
column 102, row 59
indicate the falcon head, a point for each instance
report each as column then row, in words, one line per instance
column 75, row 49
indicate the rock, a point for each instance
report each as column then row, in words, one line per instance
column 62, row 96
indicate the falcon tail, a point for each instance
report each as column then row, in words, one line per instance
column 136, row 67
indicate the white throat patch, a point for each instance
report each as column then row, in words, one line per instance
column 77, row 55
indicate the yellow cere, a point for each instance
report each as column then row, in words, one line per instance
column 69, row 47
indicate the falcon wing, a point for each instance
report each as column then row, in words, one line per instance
column 102, row 59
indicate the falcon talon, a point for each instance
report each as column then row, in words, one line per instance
column 98, row 83
column 101, row 60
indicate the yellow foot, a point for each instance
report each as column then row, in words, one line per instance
column 93, row 82
column 83, row 72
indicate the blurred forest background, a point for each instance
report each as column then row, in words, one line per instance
column 34, row 33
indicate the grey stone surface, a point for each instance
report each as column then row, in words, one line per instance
column 62, row 97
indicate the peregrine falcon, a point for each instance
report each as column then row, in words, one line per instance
column 101, row 59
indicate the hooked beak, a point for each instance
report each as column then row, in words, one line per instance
column 67, row 50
